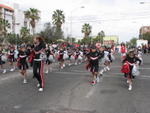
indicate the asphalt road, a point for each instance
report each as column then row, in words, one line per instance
column 69, row 91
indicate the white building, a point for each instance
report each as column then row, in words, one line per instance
column 7, row 13
column 15, row 15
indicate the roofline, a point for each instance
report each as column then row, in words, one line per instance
column 6, row 7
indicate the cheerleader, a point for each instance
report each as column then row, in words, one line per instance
column 1, row 61
column 61, row 58
column 93, row 58
column 11, row 58
column 38, row 62
column 140, row 54
column 31, row 55
column 49, row 59
column 77, row 54
column 107, row 58
column 22, row 63
column 130, row 61
column 70, row 55
column 123, row 51
column 101, row 52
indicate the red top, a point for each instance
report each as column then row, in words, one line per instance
column 123, row 49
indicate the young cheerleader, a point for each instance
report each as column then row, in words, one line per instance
column 11, row 58
column 61, row 59
column 1, row 61
column 93, row 58
column 130, row 61
column 22, row 63
column 49, row 59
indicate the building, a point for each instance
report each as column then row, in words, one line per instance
column 110, row 40
column 15, row 16
column 7, row 13
column 144, row 29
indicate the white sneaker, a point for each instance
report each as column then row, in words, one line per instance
column 69, row 64
column 97, row 79
column 40, row 89
column 108, row 68
column 64, row 65
column 105, row 69
column 46, row 72
column 11, row 70
column 25, row 81
column 130, row 87
column 38, row 85
column 101, row 72
column 4, row 71
column 76, row 64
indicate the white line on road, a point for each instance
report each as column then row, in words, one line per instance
column 9, row 77
column 91, row 92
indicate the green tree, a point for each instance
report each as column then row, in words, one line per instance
column 99, row 37
column 58, row 19
column 33, row 16
column 86, row 29
column 4, row 26
column 146, row 36
column 58, row 34
column 133, row 41
column 13, row 39
column 86, row 40
column 25, row 34
column 48, row 33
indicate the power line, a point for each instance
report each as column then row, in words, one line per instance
column 116, row 19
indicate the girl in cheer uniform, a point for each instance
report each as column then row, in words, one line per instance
column 22, row 63
column 61, row 59
column 93, row 58
column 1, row 61
column 130, row 60
column 11, row 58
column 49, row 59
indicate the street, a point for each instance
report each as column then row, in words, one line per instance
column 69, row 91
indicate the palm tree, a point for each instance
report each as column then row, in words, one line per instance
column 33, row 16
column 100, row 36
column 24, row 32
column 86, row 29
column 4, row 25
column 58, row 18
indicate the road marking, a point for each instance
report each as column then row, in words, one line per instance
column 17, row 107
column 9, row 77
column 91, row 92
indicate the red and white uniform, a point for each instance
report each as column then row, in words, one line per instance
column 123, row 51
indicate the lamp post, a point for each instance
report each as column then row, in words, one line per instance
column 82, row 7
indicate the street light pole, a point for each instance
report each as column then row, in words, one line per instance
column 71, row 20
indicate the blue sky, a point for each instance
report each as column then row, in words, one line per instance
column 116, row 17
